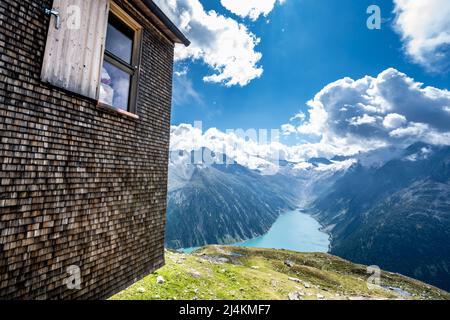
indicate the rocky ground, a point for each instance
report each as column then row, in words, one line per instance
column 235, row 273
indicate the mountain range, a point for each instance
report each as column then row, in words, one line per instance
column 395, row 215
column 223, row 203
column 389, row 207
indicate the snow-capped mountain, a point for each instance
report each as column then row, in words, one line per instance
column 375, row 205
column 222, row 201
column 395, row 214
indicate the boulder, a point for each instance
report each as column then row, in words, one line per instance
column 295, row 279
column 289, row 263
column 294, row 296
column 160, row 280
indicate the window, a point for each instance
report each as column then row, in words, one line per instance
column 120, row 71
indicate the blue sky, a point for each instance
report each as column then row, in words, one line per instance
column 305, row 45
column 313, row 70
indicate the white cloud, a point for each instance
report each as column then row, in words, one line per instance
column 252, row 153
column 414, row 129
column 394, row 121
column 288, row 129
column 303, row 166
column 424, row 26
column 220, row 42
column 299, row 116
column 362, row 120
column 370, row 119
column 369, row 113
column 252, row 9
column 243, row 147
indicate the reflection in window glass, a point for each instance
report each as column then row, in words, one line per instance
column 119, row 42
column 115, row 87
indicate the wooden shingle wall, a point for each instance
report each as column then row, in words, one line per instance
column 79, row 186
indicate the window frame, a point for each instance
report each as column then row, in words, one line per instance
column 133, row 68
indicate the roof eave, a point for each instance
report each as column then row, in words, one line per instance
column 164, row 24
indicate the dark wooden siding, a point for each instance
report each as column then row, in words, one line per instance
column 79, row 185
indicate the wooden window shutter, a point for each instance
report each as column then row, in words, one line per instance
column 74, row 52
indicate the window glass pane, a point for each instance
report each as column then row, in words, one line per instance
column 119, row 40
column 115, row 87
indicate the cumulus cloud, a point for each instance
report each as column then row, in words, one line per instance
column 223, row 44
column 288, row 129
column 424, row 26
column 251, row 9
column 369, row 119
column 361, row 120
column 249, row 148
column 368, row 113
column 394, row 121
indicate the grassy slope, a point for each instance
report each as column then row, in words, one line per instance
column 230, row 273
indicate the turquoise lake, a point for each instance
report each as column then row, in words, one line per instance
column 293, row 230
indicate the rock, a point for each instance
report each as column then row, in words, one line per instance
column 222, row 260
column 306, row 285
column 295, row 279
column 254, row 267
column 294, row 296
column 195, row 273
column 160, row 280
column 289, row 263
column 274, row 283
column 141, row 289
column 215, row 259
column 319, row 296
